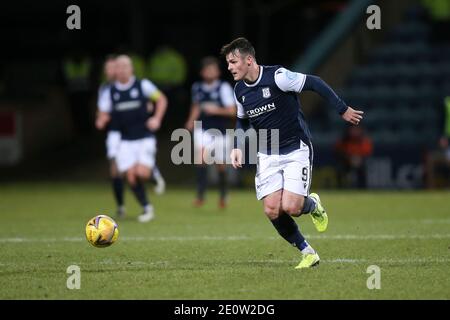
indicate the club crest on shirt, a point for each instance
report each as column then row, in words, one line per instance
column 116, row 96
column 214, row 95
column 134, row 93
column 243, row 99
column 266, row 92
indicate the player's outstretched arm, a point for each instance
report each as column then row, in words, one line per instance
column 316, row 84
column 293, row 81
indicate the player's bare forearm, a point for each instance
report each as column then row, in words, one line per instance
column 161, row 107
column 195, row 113
column 213, row 109
column 102, row 120
column 154, row 123
column 229, row 111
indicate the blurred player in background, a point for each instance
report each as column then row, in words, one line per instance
column 352, row 151
column 212, row 104
column 266, row 98
column 112, row 136
column 125, row 107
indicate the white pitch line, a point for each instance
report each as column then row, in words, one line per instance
column 361, row 261
column 381, row 236
column 236, row 238
column 435, row 221
column 166, row 263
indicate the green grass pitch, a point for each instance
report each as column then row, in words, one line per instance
column 206, row 253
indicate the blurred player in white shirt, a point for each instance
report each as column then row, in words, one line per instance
column 125, row 107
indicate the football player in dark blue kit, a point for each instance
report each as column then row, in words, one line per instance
column 213, row 105
column 266, row 99
column 125, row 108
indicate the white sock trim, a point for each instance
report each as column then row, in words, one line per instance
column 308, row 250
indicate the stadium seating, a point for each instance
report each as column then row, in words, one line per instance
column 400, row 88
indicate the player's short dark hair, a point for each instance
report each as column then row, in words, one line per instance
column 240, row 44
column 111, row 56
column 207, row 61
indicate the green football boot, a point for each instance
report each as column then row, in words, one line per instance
column 309, row 260
column 319, row 215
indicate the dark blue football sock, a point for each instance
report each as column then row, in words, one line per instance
column 222, row 184
column 201, row 182
column 117, row 185
column 288, row 229
column 308, row 206
column 140, row 193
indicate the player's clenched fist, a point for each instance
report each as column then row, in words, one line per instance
column 153, row 123
column 236, row 158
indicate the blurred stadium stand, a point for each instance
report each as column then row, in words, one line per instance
column 400, row 84
column 397, row 75
column 33, row 86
